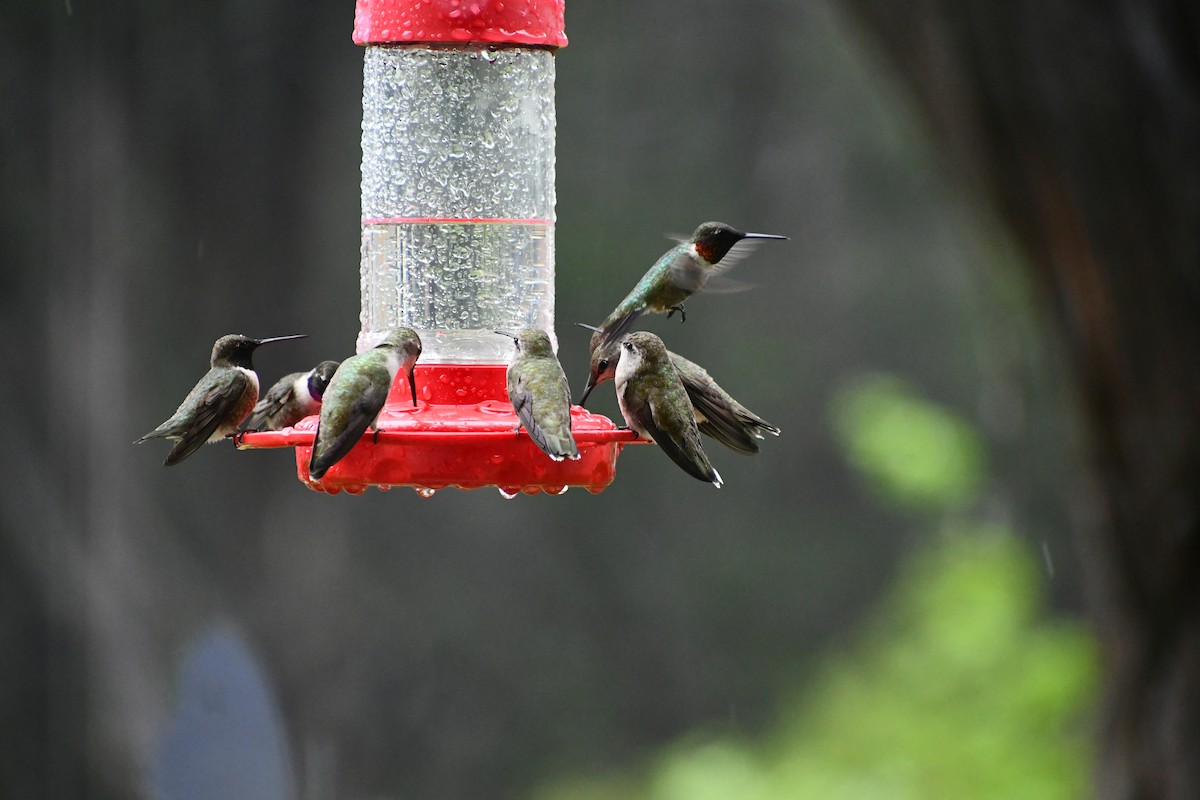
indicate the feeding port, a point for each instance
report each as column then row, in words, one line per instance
column 457, row 243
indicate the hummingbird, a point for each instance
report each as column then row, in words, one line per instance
column 538, row 391
column 655, row 404
column 677, row 275
column 356, row 394
column 217, row 404
column 291, row 399
column 716, row 413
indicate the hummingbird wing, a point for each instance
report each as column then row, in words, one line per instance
column 723, row 284
column 658, row 418
column 717, row 414
column 740, row 251
column 617, row 326
column 550, row 426
column 213, row 408
column 343, row 424
column 716, row 421
column 687, row 276
column 277, row 397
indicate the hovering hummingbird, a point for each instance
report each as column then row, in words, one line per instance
column 538, row 391
column 291, row 399
column 217, row 404
column 681, row 272
column 655, row 404
column 356, row 394
column 717, row 414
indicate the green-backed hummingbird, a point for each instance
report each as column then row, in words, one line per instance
column 677, row 275
column 291, row 399
column 356, row 394
column 538, row 391
column 217, row 404
column 717, row 414
column 655, row 404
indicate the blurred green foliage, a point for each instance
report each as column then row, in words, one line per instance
column 916, row 453
column 960, row 686
column 958, row 689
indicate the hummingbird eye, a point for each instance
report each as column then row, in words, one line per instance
column 603, row 364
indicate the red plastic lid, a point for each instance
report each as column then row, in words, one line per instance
column 463, row 433
column 530, row 22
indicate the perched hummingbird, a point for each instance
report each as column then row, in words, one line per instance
column 217, row 404
column 291, row 399
column 655, row 404
column 356, row 394
column 717, row 414
column 681, row 272
column 538, row 391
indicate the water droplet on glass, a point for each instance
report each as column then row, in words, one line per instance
column 509, row 492
column 426, row 492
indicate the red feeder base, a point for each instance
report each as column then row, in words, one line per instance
column 462, row 433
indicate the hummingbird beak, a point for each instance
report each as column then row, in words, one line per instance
column 512, row 336
column 596, row 332
column 258, row 342
column 763, row 236
column 412, row 383
column 591, row 384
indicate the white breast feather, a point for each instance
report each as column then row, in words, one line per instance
column 300, row 391
column 224, row 430
column 394, row 362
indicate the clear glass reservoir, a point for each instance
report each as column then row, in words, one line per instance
column 457, row 196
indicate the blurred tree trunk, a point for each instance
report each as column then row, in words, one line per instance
column 1080, row 124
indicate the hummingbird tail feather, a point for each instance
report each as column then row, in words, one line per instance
column 720, row 421
column 735, row 437
column 617, row 327
column 154, row 434
column 184, row 448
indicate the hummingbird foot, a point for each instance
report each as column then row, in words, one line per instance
column 375, row 436
column 682, row 313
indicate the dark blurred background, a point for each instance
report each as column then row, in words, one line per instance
column 173, row 172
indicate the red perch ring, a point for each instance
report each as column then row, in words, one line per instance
column 462, row 433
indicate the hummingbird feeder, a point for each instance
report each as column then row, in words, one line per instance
column 457, row 243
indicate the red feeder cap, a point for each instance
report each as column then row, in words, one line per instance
column 528, row 22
